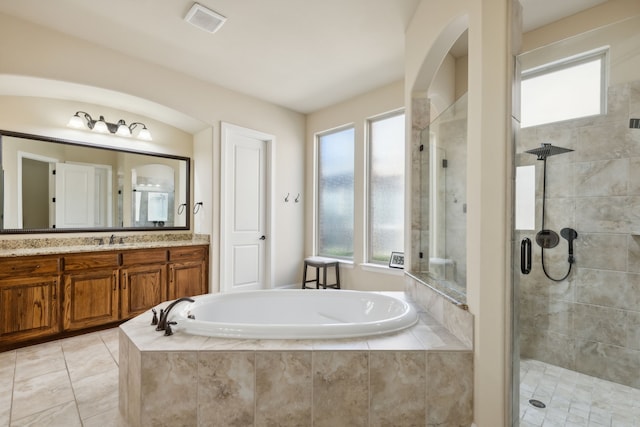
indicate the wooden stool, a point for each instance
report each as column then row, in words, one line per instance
column 318, row 262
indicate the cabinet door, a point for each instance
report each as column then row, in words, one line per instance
column 187, row 279
column 90, row 298
column 29, row 308
column 142, row 287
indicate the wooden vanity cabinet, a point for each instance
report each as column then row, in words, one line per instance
column 187, row 271
column 29, row 298
column 143, row 280
column 91, row 289
column 48, row 295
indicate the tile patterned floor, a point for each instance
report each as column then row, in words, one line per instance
column 574, row 399
column 70, row 382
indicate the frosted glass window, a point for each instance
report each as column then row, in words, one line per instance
column 386, row 187
column 335, row 219
column 562, row 91
column 158, row 206
column 526, row 197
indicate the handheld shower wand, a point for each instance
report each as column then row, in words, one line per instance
column 570, row 234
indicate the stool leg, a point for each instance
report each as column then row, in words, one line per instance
column 324, row 277
column 317, row 277
column 304, row 276
column 338, row 276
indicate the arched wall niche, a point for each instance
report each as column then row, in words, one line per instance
column 429, row 235
column 436, row 54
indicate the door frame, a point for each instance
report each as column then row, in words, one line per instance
column 226, row 130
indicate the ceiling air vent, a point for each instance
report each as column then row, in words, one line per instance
column 205, row 19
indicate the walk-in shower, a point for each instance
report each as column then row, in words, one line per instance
column 545, row 238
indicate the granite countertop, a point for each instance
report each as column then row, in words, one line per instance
column 55, row 246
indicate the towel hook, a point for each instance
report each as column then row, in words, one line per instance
column 286, row 199
column 196, row 207
column 297, row 198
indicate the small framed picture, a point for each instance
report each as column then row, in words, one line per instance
column 396, row 260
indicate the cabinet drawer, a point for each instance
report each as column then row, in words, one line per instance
column 189, row 253
column 28, row 266
column 90, row 261
column 147, row 256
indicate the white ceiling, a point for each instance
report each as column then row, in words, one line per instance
column 300, row 54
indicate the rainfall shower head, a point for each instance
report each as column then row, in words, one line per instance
column 545, row 150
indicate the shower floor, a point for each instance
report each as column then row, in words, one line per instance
column 574, row 399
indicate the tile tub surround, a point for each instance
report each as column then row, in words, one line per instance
column 452, row 313
column 591, row 321
column 421, row 376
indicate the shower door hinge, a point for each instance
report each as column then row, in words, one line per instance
column 53, row 199
column 445, row 163
column 421, row 255
column 53, row 172
column 421, row 147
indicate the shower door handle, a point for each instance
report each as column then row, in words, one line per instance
column 525, row 256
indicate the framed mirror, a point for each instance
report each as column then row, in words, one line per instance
column 51, row 185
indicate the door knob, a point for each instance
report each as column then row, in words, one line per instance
column 263, row 237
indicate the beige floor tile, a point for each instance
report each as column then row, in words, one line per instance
column 7, row 362
column 62, row 415
column 111, row 418
column 39, row 393
column 97, row 394
column 111, row 339
column 5, row 413
column 44, row 360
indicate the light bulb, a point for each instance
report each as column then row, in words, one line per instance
column 144, row 134
column 101, row 126
column 76, row 122
column 123, row 130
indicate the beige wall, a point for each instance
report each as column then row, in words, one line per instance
column 30, row 50
column 622, row 39
column 352, row 112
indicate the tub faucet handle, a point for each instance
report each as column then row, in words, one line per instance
column 168, row 331
column 159, row 327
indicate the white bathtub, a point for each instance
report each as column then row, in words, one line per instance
column 294, row 314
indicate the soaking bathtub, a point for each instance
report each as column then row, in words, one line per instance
column 294, row 314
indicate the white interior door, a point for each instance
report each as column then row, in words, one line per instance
column 103, row 196
column 244, row 230
column 75, row 195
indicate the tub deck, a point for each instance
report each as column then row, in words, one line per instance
column 422, row 375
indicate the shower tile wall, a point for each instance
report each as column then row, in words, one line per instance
column 589, row 322
column 451, row 134
column 420, row 117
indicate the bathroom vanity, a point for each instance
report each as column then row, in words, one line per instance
column 57, row 291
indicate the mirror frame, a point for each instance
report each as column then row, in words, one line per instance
column 42, row 138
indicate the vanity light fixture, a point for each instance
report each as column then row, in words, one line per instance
column 81, row 119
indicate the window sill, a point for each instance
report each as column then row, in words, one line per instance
column 377, row 268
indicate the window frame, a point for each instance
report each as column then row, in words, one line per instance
column 368, row 235
column 601, row 54
column 316, row 220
